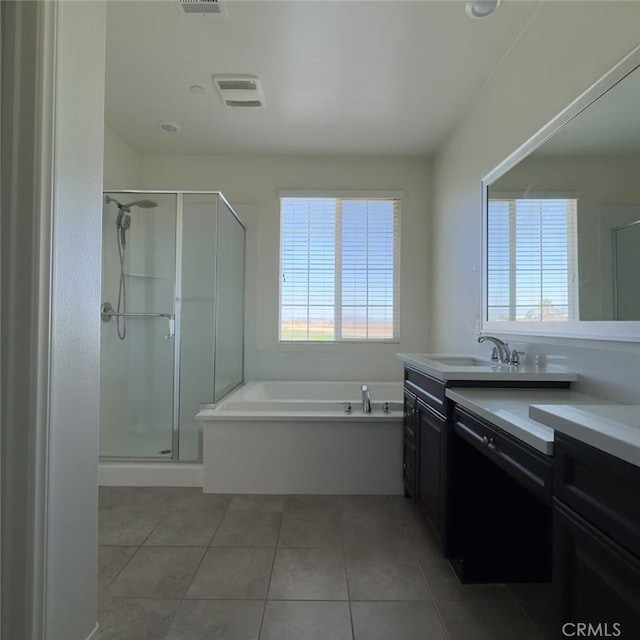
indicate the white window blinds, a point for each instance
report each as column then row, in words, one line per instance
column 532, row 259
column 339, row 269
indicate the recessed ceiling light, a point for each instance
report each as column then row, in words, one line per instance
column 197, row 90
column 481, row 8
column 168, row 127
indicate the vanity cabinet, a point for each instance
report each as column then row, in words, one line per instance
column 499, row 512
column 428, row 447
column 596, row 538
column 425, row 420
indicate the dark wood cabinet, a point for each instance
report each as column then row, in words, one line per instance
column 409, row 469
column 596, row 539
column 499, row 505
column 431, row 430
column 425, row 420
column 410, row 440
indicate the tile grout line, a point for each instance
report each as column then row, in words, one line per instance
column 346, row 572
column 445, row 630
column 529, row 619
column 273, row 563
column 206, row 549
column 166, row 513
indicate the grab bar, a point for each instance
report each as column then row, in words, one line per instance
column 107, row 312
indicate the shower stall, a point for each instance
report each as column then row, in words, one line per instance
column 172, row 335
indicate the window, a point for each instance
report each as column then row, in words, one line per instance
column 339, row 269
column 532, row 259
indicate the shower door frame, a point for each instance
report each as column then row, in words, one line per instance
column 177, row 314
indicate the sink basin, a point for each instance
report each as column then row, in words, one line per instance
column 463, row 361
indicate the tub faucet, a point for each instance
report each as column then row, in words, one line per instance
column 366, row 399
column 504, row 353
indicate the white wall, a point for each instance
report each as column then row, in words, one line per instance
column 121, row 162
column 71, row 574
column 256, row 181
column 566, row 47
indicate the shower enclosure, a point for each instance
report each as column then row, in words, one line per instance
column 173, row 318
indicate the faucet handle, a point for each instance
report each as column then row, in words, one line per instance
column 515, row 356
column 494, row 355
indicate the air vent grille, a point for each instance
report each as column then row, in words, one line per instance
column 202, row 6
column 239, row 90
column 237, row 85
column 243, row 103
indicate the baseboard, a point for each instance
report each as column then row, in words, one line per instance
column 95, row 634
column 150, row 474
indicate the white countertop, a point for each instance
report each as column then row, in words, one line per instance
column 614, row 429
column 509, row 410
column 428, row 363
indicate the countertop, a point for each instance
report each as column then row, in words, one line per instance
column 509, row 410
column 428, row 364
column 613, row 428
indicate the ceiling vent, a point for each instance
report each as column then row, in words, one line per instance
column 240, row 90
column 202, row 7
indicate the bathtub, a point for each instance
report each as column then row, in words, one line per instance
column 297, row 437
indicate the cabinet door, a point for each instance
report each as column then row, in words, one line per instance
column 596, row 581
column 430, row 442
column 409, row 469
column 409, row 418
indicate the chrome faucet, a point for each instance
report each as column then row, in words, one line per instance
column 366, row 399
column 504, row 353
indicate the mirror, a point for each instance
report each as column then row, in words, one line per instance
column 562, row 221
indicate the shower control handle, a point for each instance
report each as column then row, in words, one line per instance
column 172, row 329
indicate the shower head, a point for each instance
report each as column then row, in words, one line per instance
column 143, row 204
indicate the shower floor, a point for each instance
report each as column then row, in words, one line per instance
column 150, row 442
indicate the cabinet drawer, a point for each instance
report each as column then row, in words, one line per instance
column 429, row 390
column 530, row 467
column 602, row 488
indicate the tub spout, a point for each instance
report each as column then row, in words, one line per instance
column 366, row 399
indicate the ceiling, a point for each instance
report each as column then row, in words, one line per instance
column 346, row 78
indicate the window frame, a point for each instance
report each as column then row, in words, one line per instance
column 369, row 195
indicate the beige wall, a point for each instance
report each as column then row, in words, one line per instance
column 255, row 181
column 121, row 163
column 566, row 48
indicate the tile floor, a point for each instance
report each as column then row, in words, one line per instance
column 177, row 564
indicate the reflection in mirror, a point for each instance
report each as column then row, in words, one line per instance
column 561, row 240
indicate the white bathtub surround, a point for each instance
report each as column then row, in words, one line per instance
column 447, row 366
column 295, row 437
column 614, row 429
column 509, row 410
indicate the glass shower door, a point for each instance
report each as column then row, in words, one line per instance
column 137, row 341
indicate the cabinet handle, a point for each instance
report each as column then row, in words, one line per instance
column 489, row 442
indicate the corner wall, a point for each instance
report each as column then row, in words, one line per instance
column 121, row 163
column 72, row 512
column 255, row 181
column 566, row 48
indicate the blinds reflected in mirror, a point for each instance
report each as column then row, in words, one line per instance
column 532, row 259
